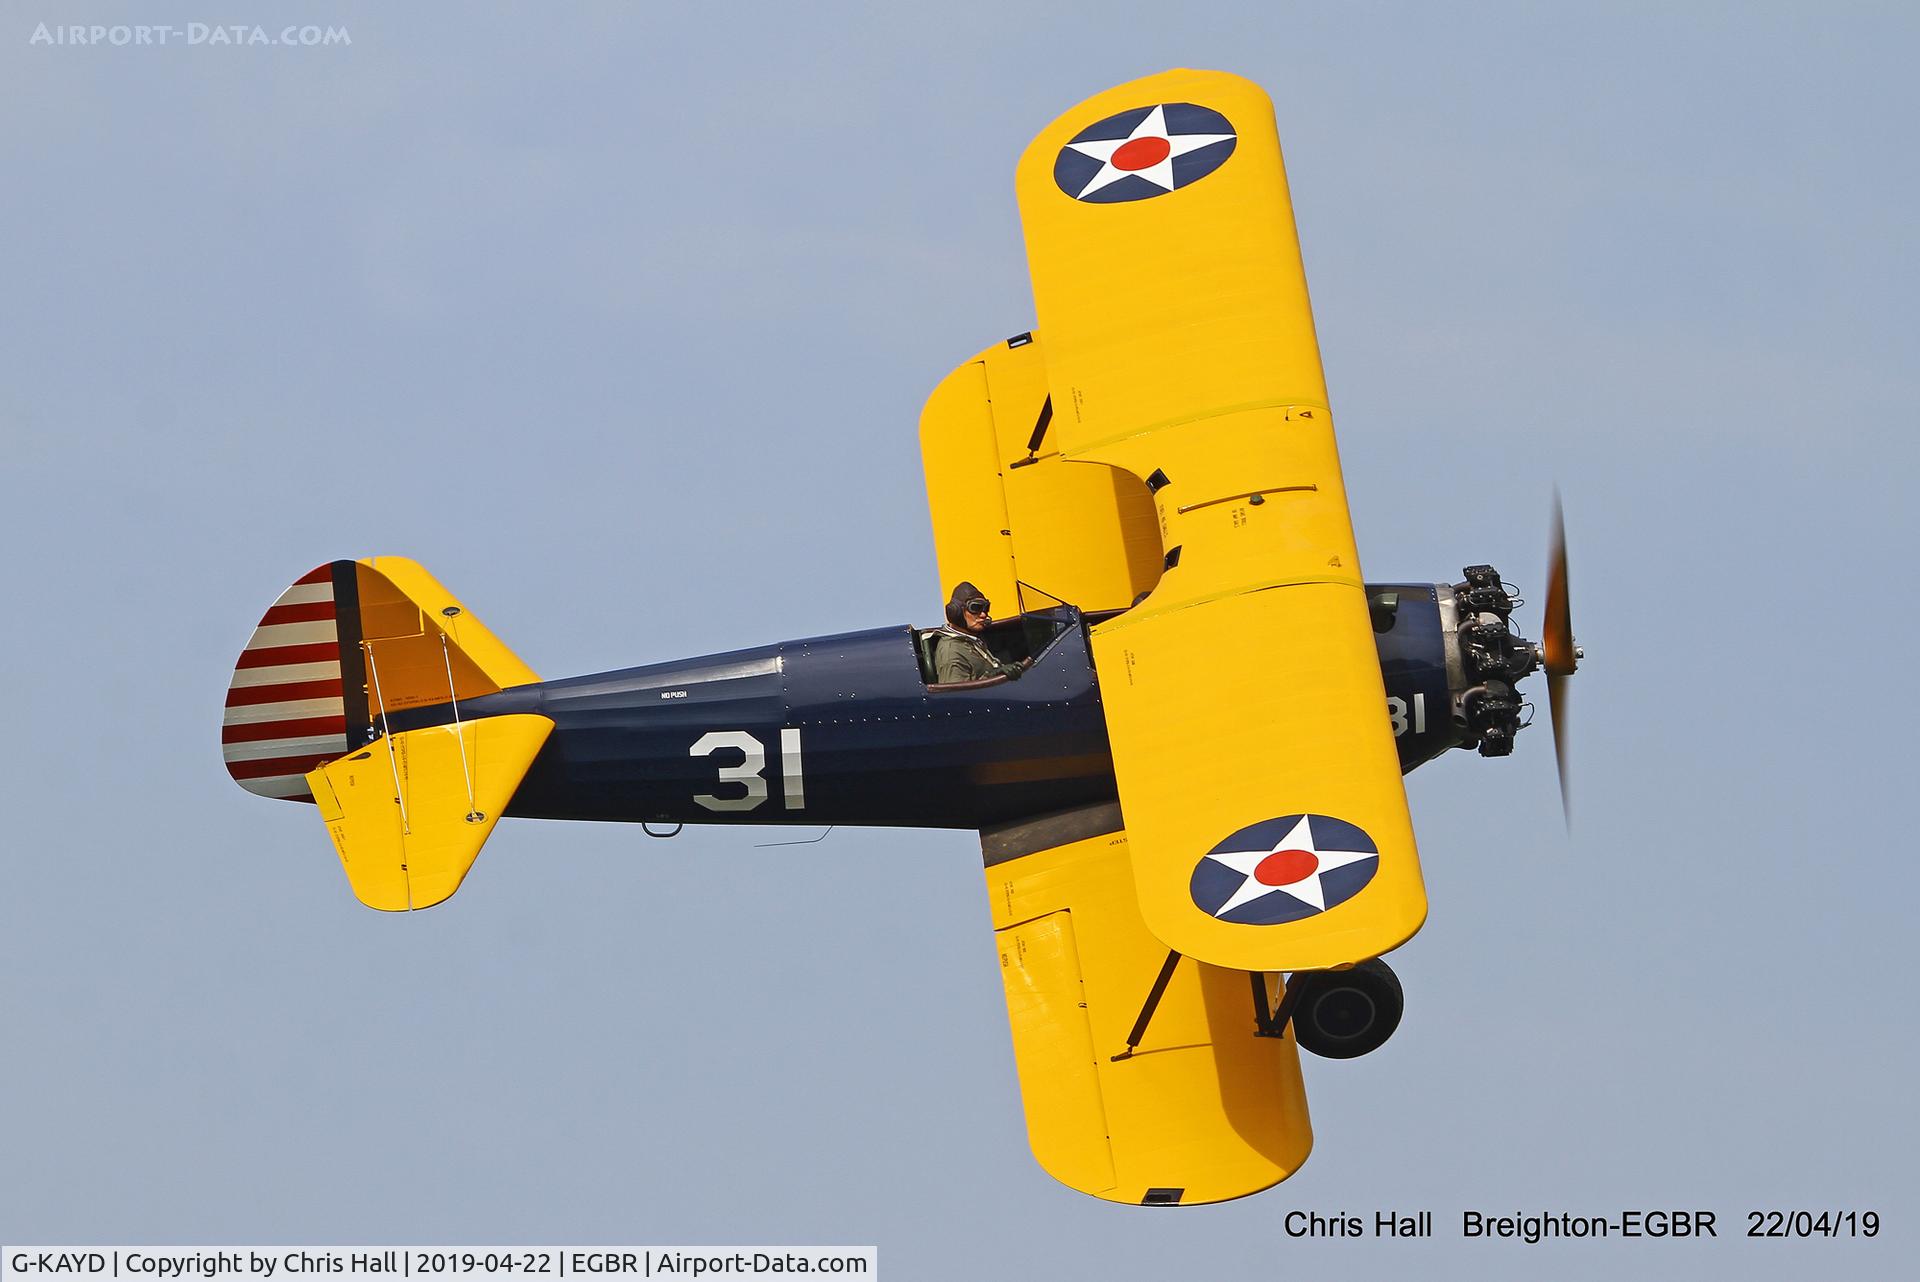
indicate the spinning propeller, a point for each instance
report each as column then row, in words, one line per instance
column 1558, row 653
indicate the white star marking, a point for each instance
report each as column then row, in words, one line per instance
column 1161, row 175
column 1308, row 889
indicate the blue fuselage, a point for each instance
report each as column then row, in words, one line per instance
column 844, row 730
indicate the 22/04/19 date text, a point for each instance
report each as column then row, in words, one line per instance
column 1806, row 1224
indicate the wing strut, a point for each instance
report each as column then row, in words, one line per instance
column 1269, row 1021
column 1146, row 1012
column 1039, row 434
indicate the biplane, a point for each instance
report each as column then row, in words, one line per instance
column 1188, row 782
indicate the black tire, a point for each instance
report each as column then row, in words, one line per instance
column 1344, row 1014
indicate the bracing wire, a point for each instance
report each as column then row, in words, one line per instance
column 446, row 654
column 386, row 734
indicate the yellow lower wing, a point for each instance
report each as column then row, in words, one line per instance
column 401, row 813
column 1202, row 1110
column 1009, row 515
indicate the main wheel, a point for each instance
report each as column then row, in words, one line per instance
column 1343, row 1014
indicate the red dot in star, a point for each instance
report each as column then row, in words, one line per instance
column 1141, row 153
column 1284, row 867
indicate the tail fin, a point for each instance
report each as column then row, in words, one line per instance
column 304, row 691
column 348, row 644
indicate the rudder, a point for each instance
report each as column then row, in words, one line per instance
column 308, row 719
column 348, row 640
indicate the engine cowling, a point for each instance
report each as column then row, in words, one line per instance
column 1451, row 660
column 1487, row 709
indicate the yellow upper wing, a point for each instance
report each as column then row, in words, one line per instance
column 1243, row 696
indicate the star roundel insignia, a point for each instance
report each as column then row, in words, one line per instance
column 1282, row 870
column 1145, row 152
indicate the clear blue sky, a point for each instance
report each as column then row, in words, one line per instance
column 620, row 322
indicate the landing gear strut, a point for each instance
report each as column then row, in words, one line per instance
column 1336, row 1014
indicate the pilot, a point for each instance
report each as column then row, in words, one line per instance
column 958, row 652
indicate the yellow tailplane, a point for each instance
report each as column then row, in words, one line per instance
column 409, row 812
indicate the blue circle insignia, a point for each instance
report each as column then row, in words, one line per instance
column 1144, row 152
column 1285, row 869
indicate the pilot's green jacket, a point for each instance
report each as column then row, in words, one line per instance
column 959, row 656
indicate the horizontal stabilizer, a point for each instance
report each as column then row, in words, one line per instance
column 409, row 812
